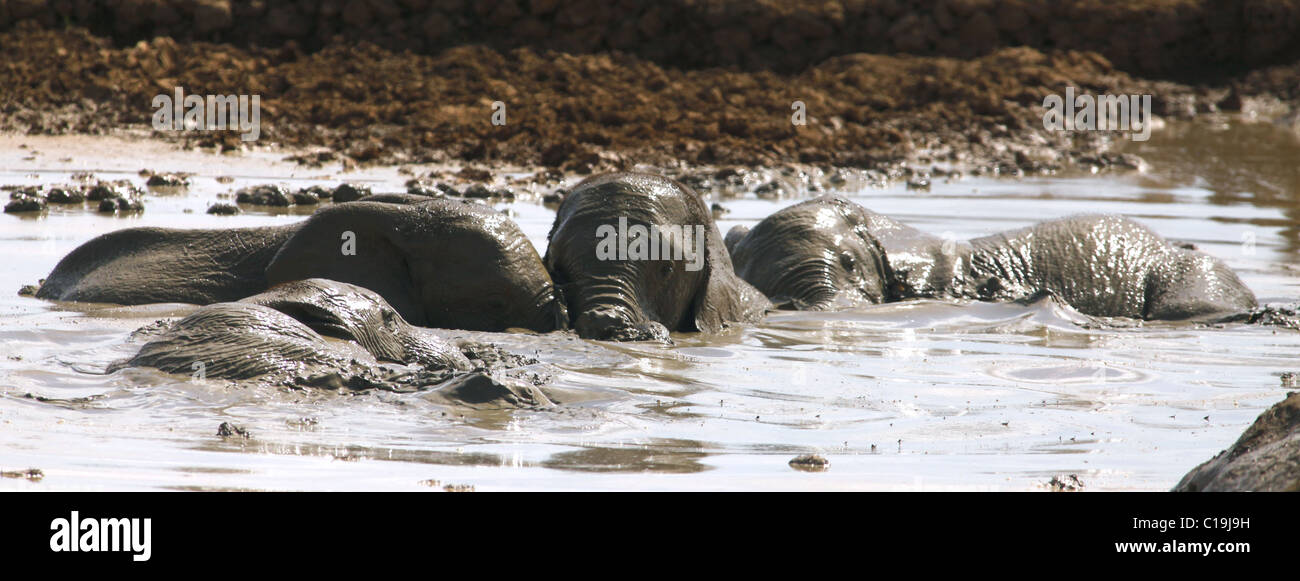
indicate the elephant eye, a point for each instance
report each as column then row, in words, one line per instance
column 667, row 269
column 847, row 261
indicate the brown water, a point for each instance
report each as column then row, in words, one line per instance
column 921, row 395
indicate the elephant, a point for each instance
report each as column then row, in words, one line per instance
column 279, row 337
column 637, row 256
column 281, row 332
column 1106, row 265
column 830, row 251
column 1266, row 458
column 137, row 266
column 439, row 263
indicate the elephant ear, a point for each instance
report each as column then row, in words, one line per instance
column 724, row 297
column 357, row 243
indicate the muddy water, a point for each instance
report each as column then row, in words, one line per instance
column 920, row 395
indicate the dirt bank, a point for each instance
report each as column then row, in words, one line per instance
column 1149, row 37
column 582, row 108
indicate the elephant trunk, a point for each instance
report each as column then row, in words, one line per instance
column 607, row 311
column 811, row 285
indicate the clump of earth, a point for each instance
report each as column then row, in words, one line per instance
column 581, row 112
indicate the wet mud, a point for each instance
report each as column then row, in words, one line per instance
column 613, row 108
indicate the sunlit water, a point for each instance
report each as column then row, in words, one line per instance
column 920, row 395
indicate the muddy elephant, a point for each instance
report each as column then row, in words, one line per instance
column 319, row 333
column 829, row 251
column 637, row 256
column 139, row 266
column 282, row 332
column 439, row 263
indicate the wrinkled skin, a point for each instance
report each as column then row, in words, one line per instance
column 352, row 313
column 279, row 337
column 633, row 300
column 1265, row 459
column 829, row 251
column 439, row 263
column 281, row 334
column 1106, row 266
column 139, row 266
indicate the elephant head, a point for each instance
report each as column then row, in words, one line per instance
column 812, row 255
column 637, row 256
column 281, row 334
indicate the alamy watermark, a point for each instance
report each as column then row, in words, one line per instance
column 90, row 535
column 183, row 112
column 1131, row 113
column 656, row 242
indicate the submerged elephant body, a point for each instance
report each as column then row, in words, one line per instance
column 439, row 263
column 680, row 280
column 830, row 251
column 280, row 337
column 138, row 266
column 1106, row 266
column 281, row 333
column 633, row 257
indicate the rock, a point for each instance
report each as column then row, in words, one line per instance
column 350, row 193
column 120, row 205
column 810, row 463
column 1069, row 483
column 168, row 180
column 318, row 191
column 28, row 199
column 25, row 204
column 66, row 196
column 553, row 200
column 305, row 197
column 228, row 430
column 224, row 209
column 264, row 195
column 1266, row 458
column 107, row 190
